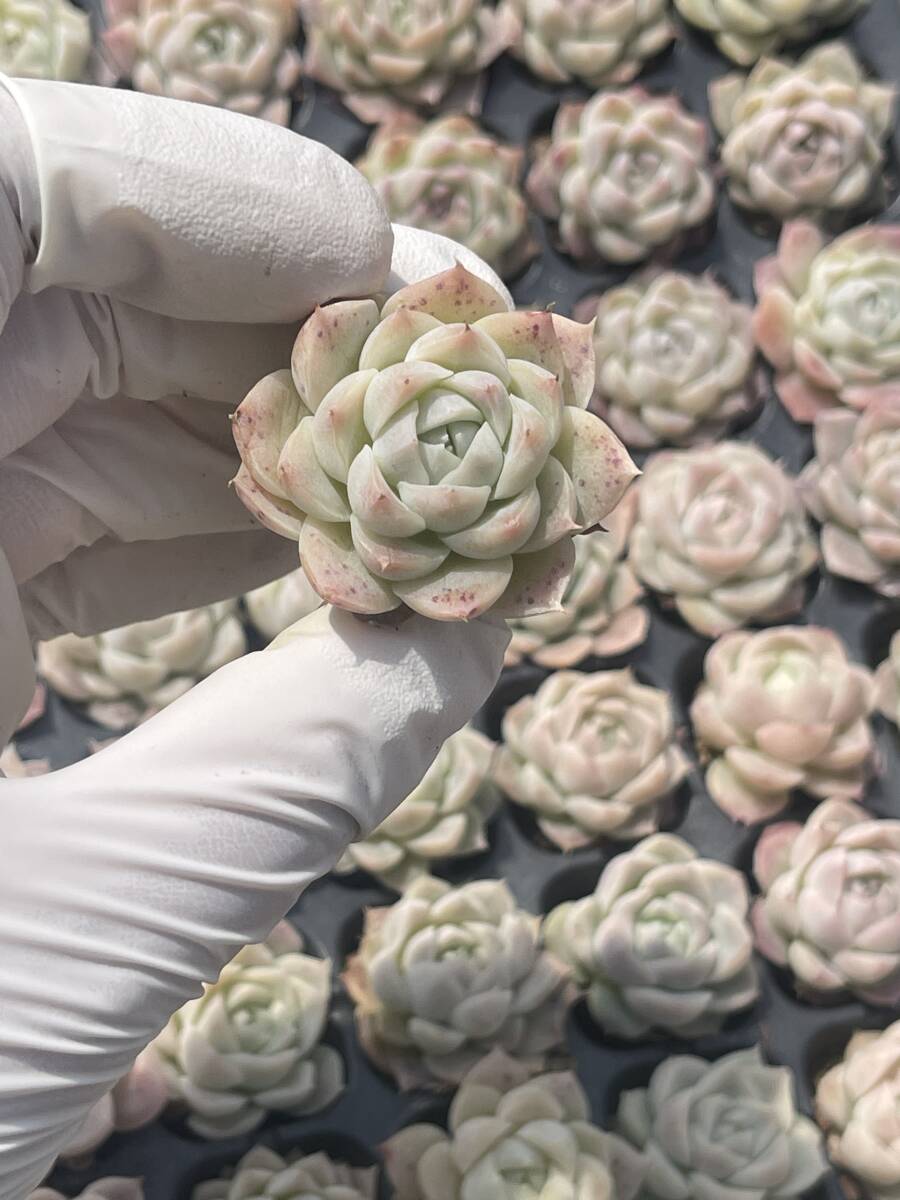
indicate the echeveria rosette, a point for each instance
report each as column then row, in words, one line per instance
column 858, row 1106
column 435, row 452
column 663, row 945
column 624, row 177
column 745, row 32
column 566, row 41
column 723, row 1130
column 593, row 755
column 722, row 534
column 113, row 1187
column 136, row 1100
column 828, row 317
column 44, row 39
column 601, row 614
column 251, row 1044
column 385, row 56
column 517, row 1135
column 279, row 604
column 887, row 683
column 264, row 1175
column 126, row 675
column 447, row 974
column 676, row 359
column 829, row 908
column 225, row 53
column 780, row 710
column 443, row 818
column 852, row 487
column 451, row 177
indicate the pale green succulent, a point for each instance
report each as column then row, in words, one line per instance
column 44, row 39
column 745, row 32
column 264, row 1175
column 887, row 683
column 275, row 606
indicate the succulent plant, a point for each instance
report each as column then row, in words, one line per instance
column 779, row 710
column 13, row 766
column 114, row 1187
column 593, row 755
column 444, row 817
column 853, row 487
column 858, row 1106
column 600, row 613
column 126, row 675
column 887, row 682
column 44, row 39
column 136, row 1100
column 662, row 945
column 595, row 44
column 804, row 139
column 721, row 531
column 624, row 176
column 436, row 453
column 231, row 55
column 37, row 706
column 829, row 908
column 745, row 32
column 676, row 359
column 513, row 1135
column 828, row 317
column 275, row 606
column 251, row 1044
column 447, row 974
column 264, row 1175
column 722, row 1130
column 451, row 177
column 389, row 55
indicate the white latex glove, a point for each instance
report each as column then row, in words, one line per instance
column 139, row 239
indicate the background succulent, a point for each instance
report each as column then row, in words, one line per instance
column 436, row 453
column 624, row 176
column 662, row 945
column 675, row 358
column 830, row 903
column 128, row 674
column 600, row 615
column 232, row 55
column 828, row 317
column 13, row 766
column 512, row 1135
column 279, row 604
column 887, row 683
column 251, row 1044
column 136, row 1100
column 722, row 531
column 443, row 818
column 596, row 44
column 744, row 32
column 451, row 177
column 853, row 487
column 114, row 1187
column 262, row 1174
column 722, row 1130
column 858, row 1106
column 44, row 39
column 447, row 974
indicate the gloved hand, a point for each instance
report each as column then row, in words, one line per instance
column 142, row 244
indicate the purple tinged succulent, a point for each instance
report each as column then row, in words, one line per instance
column 746, row 31
column 136, row 1100
column 264, row 1175
column 887, row 683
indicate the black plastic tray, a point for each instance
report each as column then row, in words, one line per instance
column 799, row 1035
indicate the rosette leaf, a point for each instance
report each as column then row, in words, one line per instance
column 887, row 683
column 264, row 1175
column 136, row 1100
column 745, row 32
column 44, row 39
column 275, row 606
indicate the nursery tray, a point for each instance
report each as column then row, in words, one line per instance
column 805, row 1037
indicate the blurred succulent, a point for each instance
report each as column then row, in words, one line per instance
column 564, row 41
column 13, row 766
column 37, row 706
column 514, row 1136
column 387, row 55
column 251, row 1044
column 625, row 176
column 887, row 683
column 593, row 755
column 452, row 178
column 829, row 315
column 600, row 614
column 675, row 359
column 136, row 1100
column 44, row 39
column 853, row 487
column 722, row 1130
column 264, row 1175
column 721, row 531
column 279, row 604
column 444, row 817
column 447, row 974
column 126, row 675
column 745, row 32
column 114, row 1187
column 804, row 139
column 779, row 710
column 231, row 55
column 662, row 945
column 829, row 908
column 858, row 1106
column 436, row 453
